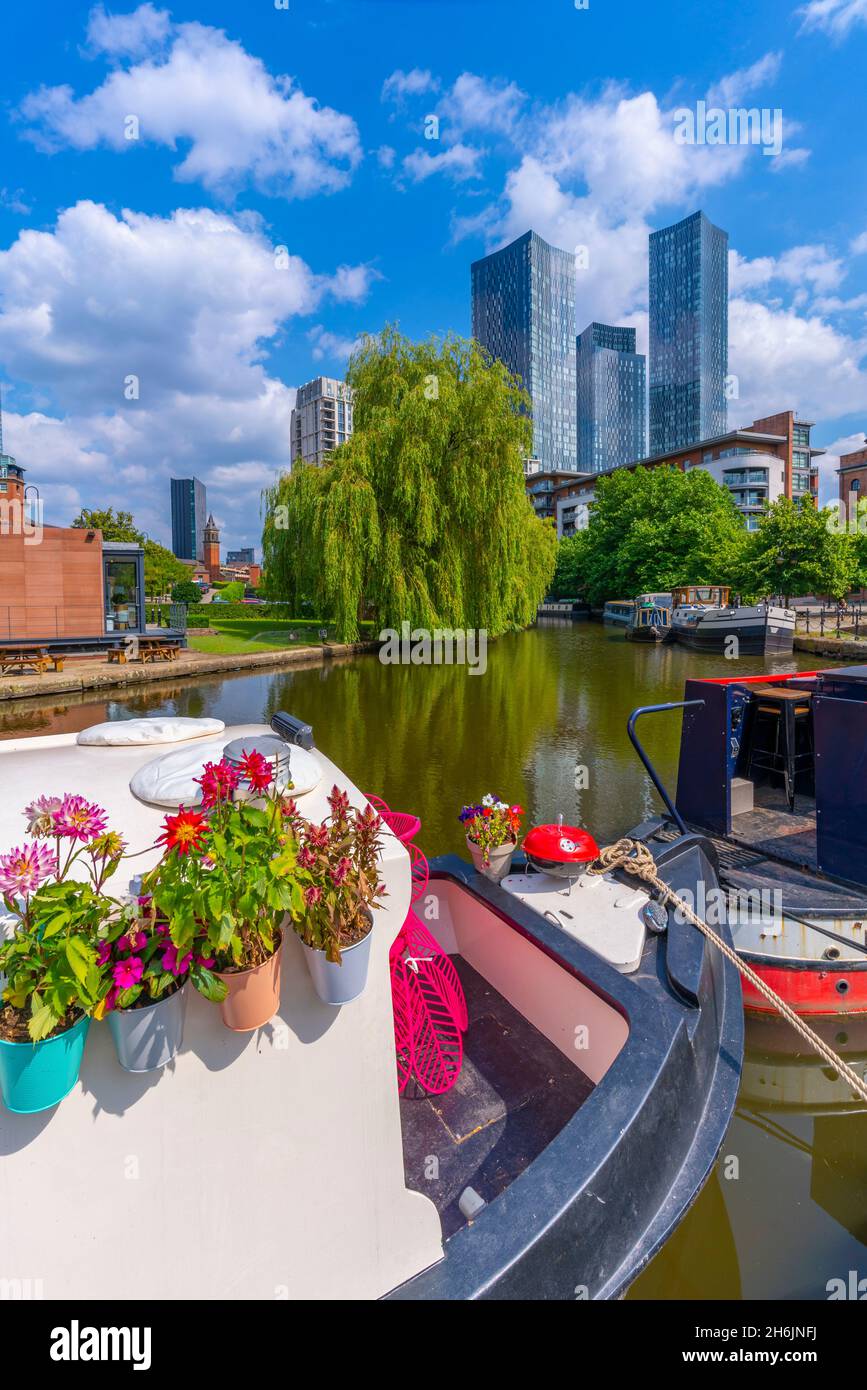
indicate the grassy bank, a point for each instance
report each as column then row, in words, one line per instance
column 237, row 636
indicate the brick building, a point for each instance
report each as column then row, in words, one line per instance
column 61, row 582
column 852, row 475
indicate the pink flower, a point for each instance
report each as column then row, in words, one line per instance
column 172, row 965
column 111, row 999
column 257, row 770
column 40, row 815
column 218, row 781
column 22, row 870
column 306, row 858
column 312, row 895
column 340, row 870
column 78, row 819
column 103, row 952
column 127, row 973
column 138, row 942
column 208, row 962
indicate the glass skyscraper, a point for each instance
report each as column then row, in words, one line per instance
column 689, row 335
column 611, row 386
column 524, row 314
column 189, row 508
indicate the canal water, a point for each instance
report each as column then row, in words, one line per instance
column 786, row 1209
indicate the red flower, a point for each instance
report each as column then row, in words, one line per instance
column 184, row 832
column 257, row 770
column 218, row 781
column 312, row 895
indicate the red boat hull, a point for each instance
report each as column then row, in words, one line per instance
column 808, row 987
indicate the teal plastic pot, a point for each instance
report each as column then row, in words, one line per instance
column 36, row 1076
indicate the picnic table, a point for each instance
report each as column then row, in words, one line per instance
column 16, row 656
column 146, row 649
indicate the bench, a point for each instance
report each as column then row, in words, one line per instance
column 17, row 657
column 157, row 649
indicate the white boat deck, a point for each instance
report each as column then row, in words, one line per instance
column 265, row 1166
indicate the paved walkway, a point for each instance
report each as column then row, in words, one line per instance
column 95, row 673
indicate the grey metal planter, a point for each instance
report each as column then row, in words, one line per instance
column 146, row 1039
column 339, row 984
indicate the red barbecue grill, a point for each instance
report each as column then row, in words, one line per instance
column 562, row 850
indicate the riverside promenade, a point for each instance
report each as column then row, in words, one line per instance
column 96, row 673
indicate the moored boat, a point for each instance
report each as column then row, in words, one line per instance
column 774, row 770
column 618, row 612
column 591, row 1107
column 703, row 618
column 651, row 619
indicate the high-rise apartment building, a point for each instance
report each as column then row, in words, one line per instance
column 321, row 419
column 189, row 509
column 611, row 398
column 524, row 314
column 688, row 333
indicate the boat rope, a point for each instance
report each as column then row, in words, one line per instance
column 637, row 859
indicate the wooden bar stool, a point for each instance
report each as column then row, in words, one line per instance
column 779, row 717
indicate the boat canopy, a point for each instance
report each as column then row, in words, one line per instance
column 706, row 596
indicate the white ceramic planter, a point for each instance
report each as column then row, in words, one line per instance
column 339, row 984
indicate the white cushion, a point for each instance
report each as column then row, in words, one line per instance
column 171, row 779
column 123, row 733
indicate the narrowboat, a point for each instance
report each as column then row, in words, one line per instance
column 651, row 619
column 704, row 618
column 602, row 1057
column 773, row 770
column 618, row 612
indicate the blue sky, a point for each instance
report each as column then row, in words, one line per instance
column 257, row 128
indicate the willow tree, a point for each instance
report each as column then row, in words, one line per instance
column 422, row 515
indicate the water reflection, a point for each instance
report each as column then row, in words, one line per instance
column 554, row 700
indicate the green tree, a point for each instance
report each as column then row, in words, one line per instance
column 233, row 592
column 162, row 569
column 115, row 526
column 568, row 578
column 654, row 528
column 185, row 591
column 422, row 515
column 799, row 550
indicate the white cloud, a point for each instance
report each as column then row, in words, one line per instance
column 834, row 17
column 400, row 85
column 858, row 245
column 476, row 103
column 191, row 305
column 739, row 86
column 788, row 361
column 814, row 265
column 331, row 346
column 385, row 156
column 459, row 162
column 127, row 35
column 240, row 125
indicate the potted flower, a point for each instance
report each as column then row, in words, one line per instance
column 224, row 886
column 338, row 865
column 49, row 961
column 492, row 835
column 143, row 994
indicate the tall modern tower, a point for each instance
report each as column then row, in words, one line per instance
column 611, row 387
column 189, row 509
column 524, row 314
column 689, row 333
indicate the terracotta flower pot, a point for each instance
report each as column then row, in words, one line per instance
column 501, row 859
column 254, row 995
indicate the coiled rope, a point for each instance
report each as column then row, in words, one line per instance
column 636, row 858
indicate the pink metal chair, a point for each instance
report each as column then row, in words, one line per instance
column 400, row 823
column 430, row 1011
